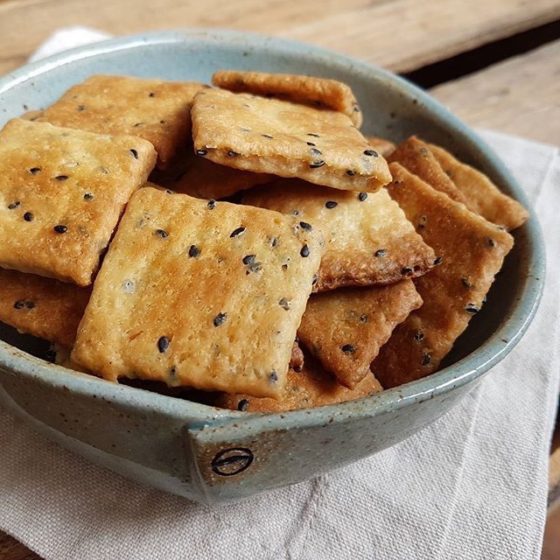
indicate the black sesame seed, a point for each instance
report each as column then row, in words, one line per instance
column 315, row 279
column 211, row 204
column 363, row 318
column 274, row 242
column 161, row 233
column 350, row 173
column 273, row 377
column 313, row 134
column 406, row 271
column 426, row 358
column 380, row 252
column 362, row 196
column 19, row 304
column 237, row 232
column 28, row 217
column 466, row 283
column 219, row 319
column 34, row 170
column 311, row 143
column 134, row 153
column 490, row 242
column 304, row 251
column 194, row 251
column 305, row 226
column 348, row 349
column 60, row 229
column 315, row 164
column 284, row 303
column 201, row 152
column 418, row 336
column 266, row 136
column 315, row 152
column 163, row 344
column 88, row 196
column 330, row 204
column 438, row 260
column 231, row 153
column 249, row 259
column 243, row 405
column 472, row 308
column 371, row 153
column 14, row 205
column 61, row 177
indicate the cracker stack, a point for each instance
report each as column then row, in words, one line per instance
column 290, row 293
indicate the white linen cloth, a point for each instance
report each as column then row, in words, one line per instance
column 471, row 486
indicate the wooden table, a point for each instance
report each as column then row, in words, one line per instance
column 495, row 63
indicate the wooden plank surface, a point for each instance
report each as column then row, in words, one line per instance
column 520, row 96
column 399, row 34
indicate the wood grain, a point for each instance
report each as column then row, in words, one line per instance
column 520, row 96
column 399, row 34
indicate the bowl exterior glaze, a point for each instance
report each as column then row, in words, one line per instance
column 212, row 455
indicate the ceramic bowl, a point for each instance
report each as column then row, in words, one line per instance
column 212, row 455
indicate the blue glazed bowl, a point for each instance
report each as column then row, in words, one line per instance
column 212, row 455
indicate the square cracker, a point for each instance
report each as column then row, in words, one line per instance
column 368, row 239
column 482, row 196
column 61, row 195
column 201, row 294
column 416, row 156
column 345, row 329
column 309, row 90
column 472, row 252
column 271, row 136
column 199, row 177
column 155, row 110
column 310, row 388
column 41, row 306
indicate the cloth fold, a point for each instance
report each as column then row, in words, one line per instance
column 473, row 485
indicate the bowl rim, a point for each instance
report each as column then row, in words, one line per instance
column 468, row 369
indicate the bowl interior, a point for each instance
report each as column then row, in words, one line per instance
column 392, row 108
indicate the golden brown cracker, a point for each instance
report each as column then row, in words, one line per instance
column 201, row 294
column 61, row 195
column 345, row 328
column 41, row 306
column 310, row 388
column 310, row 90
column 381, row 145
column 271, row 136
column 471, row 250
column 199, row 177
column 156, row 110
column 416, row 156
column 368, row 239
column 482, row 196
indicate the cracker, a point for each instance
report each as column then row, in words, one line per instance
column 61, row 194
column 271, row 136
column 41, row 306
column 368, row 239
column 310, row 388
column 482, row 196
column 381, row 145
column 199, row 177
column 472, row 252
column 316, row 92
column 155, row 110
column 345, row 328
column 201, row 294
column 416, row 156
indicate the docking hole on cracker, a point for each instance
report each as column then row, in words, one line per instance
column 244, row 243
